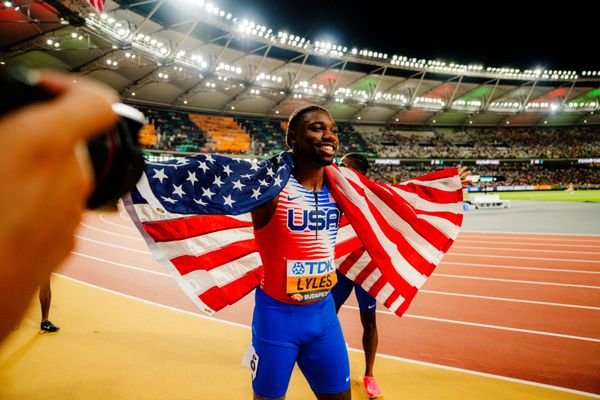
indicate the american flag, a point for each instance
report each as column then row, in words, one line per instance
column 194, row 215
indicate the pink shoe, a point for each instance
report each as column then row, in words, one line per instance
column 371, row 387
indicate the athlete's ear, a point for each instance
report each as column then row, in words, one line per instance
column 291, row 138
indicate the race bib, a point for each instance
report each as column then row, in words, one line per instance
column 250, row 361
column 309, row 281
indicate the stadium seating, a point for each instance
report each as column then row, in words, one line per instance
column 223, row 134
column 173, row 131
column 415, row 146
column 268, row 136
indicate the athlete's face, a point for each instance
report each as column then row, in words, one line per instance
column 316, row 138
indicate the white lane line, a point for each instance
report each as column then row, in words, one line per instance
column 116, row 246
column 498, row 327
column 451, row 253
column 484, row 374
column 118, row 264
column 520, row 243
column 545, row 303
column 584, row 236
column 138, row 238
column 577, row 271
column 513, row 249
column 515, row 281
column 391, row 357
column 130, row 228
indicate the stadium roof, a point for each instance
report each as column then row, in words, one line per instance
column 192, row 55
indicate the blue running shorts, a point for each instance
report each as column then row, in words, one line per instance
column 309, row 334
column 342, row 290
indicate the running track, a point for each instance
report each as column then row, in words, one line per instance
column 521, row 306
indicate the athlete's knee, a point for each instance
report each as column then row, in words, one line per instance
column 257, row 397
column 345, row 395
column 369, row 322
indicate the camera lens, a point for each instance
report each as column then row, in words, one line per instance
column 116, row 157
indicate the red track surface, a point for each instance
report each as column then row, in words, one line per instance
column 517, row 305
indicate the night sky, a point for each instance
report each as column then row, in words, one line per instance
column 498, row 33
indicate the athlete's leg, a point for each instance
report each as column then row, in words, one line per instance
column 274, row 366
column 324, row 358
column 45, row 298
column 368, row 306
column 273, row 353
column 257, row 397
column 345, row 395
column 369, row 340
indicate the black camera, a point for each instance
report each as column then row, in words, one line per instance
column 115, row 154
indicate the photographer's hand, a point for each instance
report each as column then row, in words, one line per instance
column 44, row 184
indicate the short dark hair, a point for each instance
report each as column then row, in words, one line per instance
column 361, row 162
column 295, row 117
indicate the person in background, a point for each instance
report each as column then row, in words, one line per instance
column 45, row 299
column 366, row 303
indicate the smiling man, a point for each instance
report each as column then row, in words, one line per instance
column 224, row 226
column 294, row 316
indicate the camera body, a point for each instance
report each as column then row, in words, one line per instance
column 115, row 154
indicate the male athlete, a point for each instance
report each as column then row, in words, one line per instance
column 366, row 303
column 294, row 316
column 295, row 232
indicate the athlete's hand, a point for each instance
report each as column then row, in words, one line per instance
column 463, row 173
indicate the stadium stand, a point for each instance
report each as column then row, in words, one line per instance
column 509, row 174
column 499, row 143
column 223, row 134
column 513, row 149
column 268, row 136
column 172, row 130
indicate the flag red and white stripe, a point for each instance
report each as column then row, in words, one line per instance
column 393, row 236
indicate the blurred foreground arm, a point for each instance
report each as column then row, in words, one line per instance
column 44, row 184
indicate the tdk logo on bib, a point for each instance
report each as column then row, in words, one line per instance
column 316, row 267
column 327, row 219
